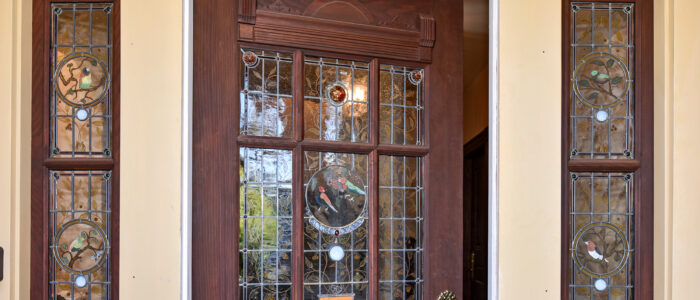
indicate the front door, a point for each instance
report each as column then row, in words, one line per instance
column 326, row 150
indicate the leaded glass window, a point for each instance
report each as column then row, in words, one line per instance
column 79, row 162
column 607, row 175
column 308, row 197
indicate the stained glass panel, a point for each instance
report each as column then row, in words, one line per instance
column 400, row 227
column 336, row 100
column 601, row 224
column 602, row 81
column 81, row 60
column 400, row 105
column 266, row 93
column 335, row 225
column 265, row 243
column 79, row 221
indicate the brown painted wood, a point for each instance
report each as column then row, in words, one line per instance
column 215, row 150
column 603, row 165
column 321, row 34
column 476, row 204
column 42, row 164
column 443, row 212
column 215, row 180
column 642, row 166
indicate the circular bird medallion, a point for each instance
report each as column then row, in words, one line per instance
column 81, row 80
column 336, row 200
column 80, row 246
column 336, row 93
column 600, row 249
column 601, row 80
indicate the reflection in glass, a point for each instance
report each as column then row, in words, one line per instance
column 335, row 100
column 266, row 93
column 602, row 81
column 265, row 242
column 79, row 224
column 324, row 276
column 400, row 105
column 601, row 223
column 400, row 227
column 81, row 52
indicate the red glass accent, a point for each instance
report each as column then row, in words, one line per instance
column 338, row 94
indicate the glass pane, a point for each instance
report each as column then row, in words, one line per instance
column 602, row 82
column 81, row 58
column 335, row 225
column 400, row 105
column 266, row 93
column 265, row 242
column 400, row 227
column 79, row 222
column 336, row 100
column 601, row 224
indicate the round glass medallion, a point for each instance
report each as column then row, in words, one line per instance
column 600, row 285
column 81, row 80
column 600, row 250
column 337, row 93
column 336, row 253
column 80, row 246
column 601, row 115
column 250, row 59
column 80, row 281
column 416, row 77
column 81, row 114
column 336, row 200
column 601, row 80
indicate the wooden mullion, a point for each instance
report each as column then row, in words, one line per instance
column 603, row 165
column 374, row 102
column 298, row 223
column 373, row 292
column 266, row 142
column 79, row 164
column 340, row 147
column 298, row 96
column 401, row 150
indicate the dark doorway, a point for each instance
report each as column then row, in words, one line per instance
column 476, row 222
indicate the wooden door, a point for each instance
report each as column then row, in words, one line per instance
column 476, row 212
column 326, row 150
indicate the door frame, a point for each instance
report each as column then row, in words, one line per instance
column 216, row 30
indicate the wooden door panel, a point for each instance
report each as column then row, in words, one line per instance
column 363, row 30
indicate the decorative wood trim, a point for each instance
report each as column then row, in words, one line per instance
column 321, row 34
column 246, row 11
column 79, row 164
column 427, row 31
column 603, row 165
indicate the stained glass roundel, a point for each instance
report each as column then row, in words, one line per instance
column 336, row 200
column 337, row 93
column 80, row 246
column 601, row 80
column 81, row 80
column 600, row 250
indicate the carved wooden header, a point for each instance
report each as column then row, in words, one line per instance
column 366, row 27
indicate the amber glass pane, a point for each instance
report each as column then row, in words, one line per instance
column 266, row 93
column 335, row 100
column 265, row 242
column 400, row 105
column 335, row 225
column 601, row 227
column 602, row 82
column 79, row 222
column 81, row 50
column 400, row 227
